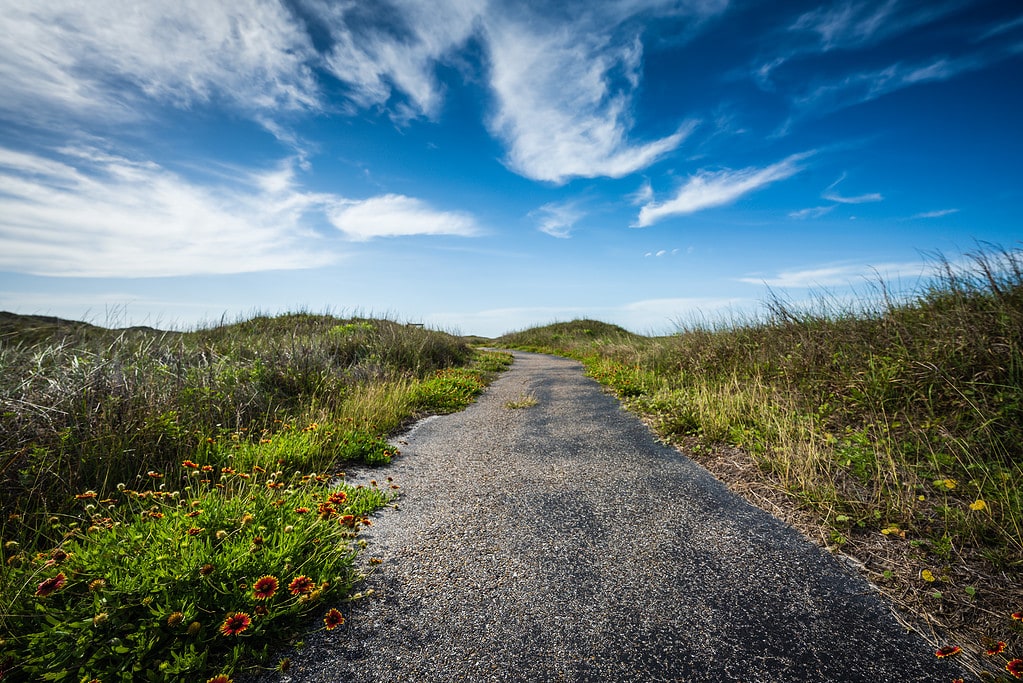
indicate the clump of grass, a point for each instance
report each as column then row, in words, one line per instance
column 150, row 480
column 898, row 422
column 525, row 400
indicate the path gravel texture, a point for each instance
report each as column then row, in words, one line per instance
column 562, row 542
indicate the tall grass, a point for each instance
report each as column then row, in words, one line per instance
column 154, row 484
column 894, row 418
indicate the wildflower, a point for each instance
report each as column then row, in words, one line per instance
column 947, row 651
column 333, row 619
column 1015, row 667
column 275, row 484
column 246, row 518
column 190, row 465
column 261, row 611
column 156, row 515
column 206, row 569
column 264, row 587
column 284, row 665
column 301, row 584
column 221, row 534
column 347, row 520
column 235, row 623
column 194, row 513
column 154, row 475
column 97, row 585
column 86, row 495
column 100, row 618
column 207, row 468
column 243, row 475
column 219, row 678
column 1017, row 616
column 927, row 576
column 326, row 510
column 175, row 619
column 258, row 469
column 194, row 531
column 375, row 560
column 193, row 628
column 301, row 510
column 59, row 555
column 996, row 648
column 978, row 505
column 338, row 497
column 50, row 586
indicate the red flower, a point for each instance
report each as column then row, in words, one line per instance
column 154, row 475
column 333, row 619
column 301, row 584
column 948, row 651
column 338, row 497
column 194, row 531
column 347, row 520
column 235, row 623
column 301, row 511
column 996, row 648
column 1015, row 667
column 50, row 586
column 1018, row 616
column 219, row 678
column 264, row 588
column 190, row 465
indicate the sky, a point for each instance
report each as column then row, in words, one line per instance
column 485, row 166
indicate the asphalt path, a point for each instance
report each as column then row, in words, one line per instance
column 562, row 542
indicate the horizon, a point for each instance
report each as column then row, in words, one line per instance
column 482, row 168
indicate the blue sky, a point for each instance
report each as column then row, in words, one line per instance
column 485, row 166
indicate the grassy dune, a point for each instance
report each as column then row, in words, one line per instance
column 892, row 431
column 172, row 507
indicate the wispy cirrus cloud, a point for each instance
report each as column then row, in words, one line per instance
column 812, row 212
column 715, row 188
column 88, row 213
column 832, row 196
column 935, row 214
column 837, row 275
column 101, row 60
column 558, row 108
column 395, row 215
column 557, row 219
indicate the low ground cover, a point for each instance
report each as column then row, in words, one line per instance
column 172, row 503
column 891, row 430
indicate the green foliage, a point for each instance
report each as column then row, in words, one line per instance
column 148, row 480
column 141, row 583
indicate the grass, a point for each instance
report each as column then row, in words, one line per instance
column 891, row 429
column 171, row 503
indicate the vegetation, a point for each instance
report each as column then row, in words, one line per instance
column 896, row 426
column 170, row 502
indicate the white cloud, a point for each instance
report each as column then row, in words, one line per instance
column 88, row 213
column 559, row 111
column 103, row 60
column 838, row 275
column 848, row 23
column 395, row 215
column 935, row 214
column 833, row 196
column 558, row 219
column 92, row 214
column 709, row 189
column 383, row 48
column 812, row 212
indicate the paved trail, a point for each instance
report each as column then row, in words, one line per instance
column 562, row 542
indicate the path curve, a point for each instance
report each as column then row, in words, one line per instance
column 562, row 542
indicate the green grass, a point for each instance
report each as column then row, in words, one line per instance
column 150, row 480
column 897, row 423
